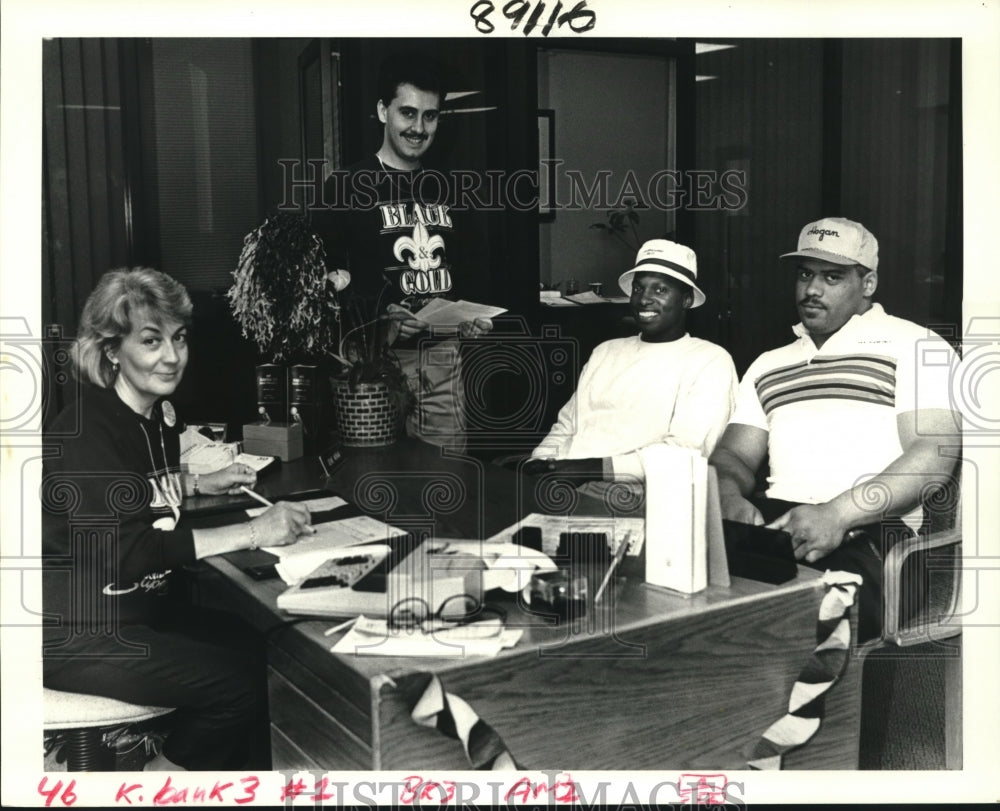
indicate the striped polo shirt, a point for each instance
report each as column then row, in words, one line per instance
column 830, row 413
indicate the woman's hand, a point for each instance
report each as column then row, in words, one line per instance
column 282, row 524
column 229, row 480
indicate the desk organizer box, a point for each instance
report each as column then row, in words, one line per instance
column 280, row 439
column 366, row 414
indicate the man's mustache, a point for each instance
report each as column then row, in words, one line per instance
column 808, row 302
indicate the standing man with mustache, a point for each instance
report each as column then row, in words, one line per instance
column 660, row 386
column 387, row 221
column 853, row 418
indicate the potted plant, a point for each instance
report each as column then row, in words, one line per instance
column 281, row 295
column 621, row 225
column 371, row 394
column 289, row 304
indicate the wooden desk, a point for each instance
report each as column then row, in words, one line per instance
column 659, row 681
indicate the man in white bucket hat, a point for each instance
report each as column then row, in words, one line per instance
column 854, row 417
column 660, row 386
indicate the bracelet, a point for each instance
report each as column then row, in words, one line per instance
column 196, row 491
column 253, row 536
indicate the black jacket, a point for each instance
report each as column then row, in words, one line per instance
column 109, row 536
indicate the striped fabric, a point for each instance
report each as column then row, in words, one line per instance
column 807, row 702
column 453, row 716
column 864, row 378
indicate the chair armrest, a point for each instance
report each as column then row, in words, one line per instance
column 512, row 461
column 892, row 572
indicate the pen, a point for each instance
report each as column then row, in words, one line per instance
column 622, row 548
column 258, row 497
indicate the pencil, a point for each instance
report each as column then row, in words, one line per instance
column 256, row 496
column 622, row 548
column 341, row 627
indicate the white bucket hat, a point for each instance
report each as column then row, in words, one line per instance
column 838, row 240
column 668, row 258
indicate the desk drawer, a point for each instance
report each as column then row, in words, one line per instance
column 304, row 728
column 286, row 755
column 319, row 679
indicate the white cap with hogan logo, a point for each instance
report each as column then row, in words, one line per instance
column 670, row 259
column 838, row 240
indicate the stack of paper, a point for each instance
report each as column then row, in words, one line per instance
column 440, row 312
column 558, row 301
column 205, row 456
column 202, row 455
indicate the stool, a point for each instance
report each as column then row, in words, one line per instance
column 84, row 718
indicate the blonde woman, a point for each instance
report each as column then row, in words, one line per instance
column 114, row 534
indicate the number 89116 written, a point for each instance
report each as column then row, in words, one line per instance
column 578, row 19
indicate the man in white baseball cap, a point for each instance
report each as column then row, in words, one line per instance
column 661, row 385
column 836, row 414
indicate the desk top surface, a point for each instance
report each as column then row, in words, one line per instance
column 413, row 485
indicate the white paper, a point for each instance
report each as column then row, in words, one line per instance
column 442, row 313
column 204, row 456
column 372, row 637
column 676, row 550
column 508, row 565
column 314, row 505
column 553, row 525
column 588, row 297
column 300, row 559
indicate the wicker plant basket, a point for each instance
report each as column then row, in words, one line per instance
column 366, row 414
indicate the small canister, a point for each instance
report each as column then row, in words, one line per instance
column 558, row 593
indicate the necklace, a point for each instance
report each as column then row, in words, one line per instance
column 396, row 178
column 166, row 486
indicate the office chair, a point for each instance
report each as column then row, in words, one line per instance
column 83, row 720
column 922, row 599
